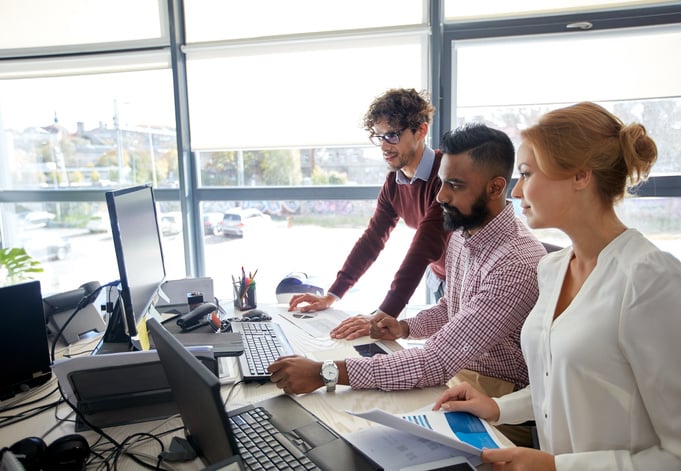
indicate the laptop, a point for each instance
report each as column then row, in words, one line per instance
column 219, row 436
column 23, row 339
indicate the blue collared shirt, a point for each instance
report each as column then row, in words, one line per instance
column 422, row 171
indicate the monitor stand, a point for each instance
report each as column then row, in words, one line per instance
column 115, row 338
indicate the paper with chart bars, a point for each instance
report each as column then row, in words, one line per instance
column 459, row 430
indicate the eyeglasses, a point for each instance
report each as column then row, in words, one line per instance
column 392, row 137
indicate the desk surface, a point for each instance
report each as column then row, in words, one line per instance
column 329, row 407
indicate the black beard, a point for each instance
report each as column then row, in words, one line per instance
column 454, row 220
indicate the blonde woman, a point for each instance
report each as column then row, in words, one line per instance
column 602, row 342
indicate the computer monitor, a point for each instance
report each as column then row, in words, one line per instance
column 137, row 241
column 23, row 339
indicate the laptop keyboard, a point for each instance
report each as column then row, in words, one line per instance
column 263, row 342
column 263, row 447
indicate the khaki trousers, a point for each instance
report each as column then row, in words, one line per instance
column 520, row 435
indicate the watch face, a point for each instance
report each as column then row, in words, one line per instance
column 330, row 372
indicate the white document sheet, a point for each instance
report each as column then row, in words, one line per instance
column 316, row 324
column 395, row 449
column 458, row 430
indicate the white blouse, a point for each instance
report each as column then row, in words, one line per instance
column 605, row 376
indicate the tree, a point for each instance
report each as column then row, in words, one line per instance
column 281, row 167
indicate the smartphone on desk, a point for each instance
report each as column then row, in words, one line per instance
column 458, row 463
column 370, row 349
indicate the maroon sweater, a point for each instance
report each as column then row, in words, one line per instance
column 416, row 204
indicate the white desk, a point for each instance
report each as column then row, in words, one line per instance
column 329, row 407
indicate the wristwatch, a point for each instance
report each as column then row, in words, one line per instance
column 329, row 375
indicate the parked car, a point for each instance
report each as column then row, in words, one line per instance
column 238, row 221
column 45, row 246
column 37, row 219
column 212, row 223
column 171, row 223
column 99, row 222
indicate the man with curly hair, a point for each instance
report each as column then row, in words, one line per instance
column 398, row 121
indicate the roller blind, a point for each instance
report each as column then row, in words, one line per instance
column 628, row 64
column 76, row 25
column 297, row 95
column 214, row 20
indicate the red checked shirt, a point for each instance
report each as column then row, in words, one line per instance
column 491, row 288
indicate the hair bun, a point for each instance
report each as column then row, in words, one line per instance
column 639, row 151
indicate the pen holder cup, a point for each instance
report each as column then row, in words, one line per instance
column 244, row 298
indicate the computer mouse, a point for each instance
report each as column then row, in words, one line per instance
column 69, row 452
column 30, row 452
column 255, row 315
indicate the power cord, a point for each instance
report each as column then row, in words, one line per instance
column 179, row 450
column 87, row 299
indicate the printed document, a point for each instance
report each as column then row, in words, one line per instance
column 459, row 430
column 316, row 324
column 395, row 449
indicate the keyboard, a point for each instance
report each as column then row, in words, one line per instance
column 263, row 342
column 262, row 446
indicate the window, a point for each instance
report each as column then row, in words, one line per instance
column 508, row 82
column 270, row 116
column 313, row 237
column 91, row 125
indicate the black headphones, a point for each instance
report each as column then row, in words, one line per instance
column 69, row 452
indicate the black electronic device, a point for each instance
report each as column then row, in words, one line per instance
column 68, row 299
column 60, row 307
column 370, row 349
column 23, row 339
column 67, row 453
column 137, row 241
column 255, row 315
column 196, row 317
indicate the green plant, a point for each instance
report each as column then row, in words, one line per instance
column 16, row 265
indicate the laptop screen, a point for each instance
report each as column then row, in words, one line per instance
column 197, row 393
column 277, row 431
column 23, row 338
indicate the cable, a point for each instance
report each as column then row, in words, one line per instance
column 20, row 403
column 133, row 456
column 231, row 390
column 87, row 299
column 81, row 416
column 6, row 421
